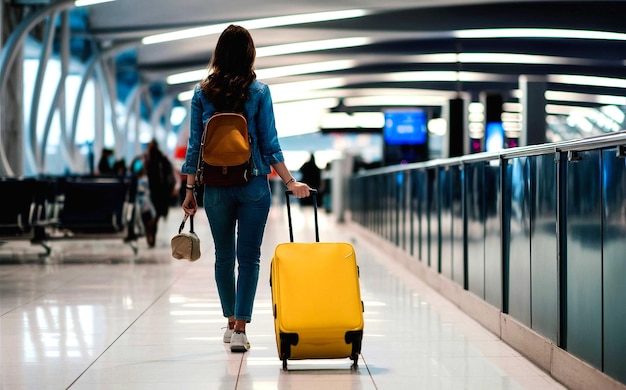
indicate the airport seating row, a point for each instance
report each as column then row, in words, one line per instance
column 43, row 209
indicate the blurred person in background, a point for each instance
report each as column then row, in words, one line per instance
column 144, row 201
column 311, row 175
column 107, row 160
column 162, row 181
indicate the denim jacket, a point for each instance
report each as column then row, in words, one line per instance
column 259, row 113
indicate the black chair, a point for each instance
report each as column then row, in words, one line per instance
column 93, row 206
column 17, row 208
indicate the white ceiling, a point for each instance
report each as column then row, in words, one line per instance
column 404, row 33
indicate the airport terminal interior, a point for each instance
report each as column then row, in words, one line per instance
column 471, row 152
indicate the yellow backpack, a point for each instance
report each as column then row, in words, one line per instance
column 225, row 156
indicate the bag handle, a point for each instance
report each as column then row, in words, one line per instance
column 314, row 195
column 182, row 224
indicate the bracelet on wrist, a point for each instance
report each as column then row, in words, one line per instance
column 292, row 180
column 190, row 187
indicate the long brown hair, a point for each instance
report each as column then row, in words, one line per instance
column 231, row 70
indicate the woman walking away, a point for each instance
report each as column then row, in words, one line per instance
column 237, row 214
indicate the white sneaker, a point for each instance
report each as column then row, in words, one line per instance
column 227, row 335
column 239, row 342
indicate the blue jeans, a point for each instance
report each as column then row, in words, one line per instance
column 245, row 207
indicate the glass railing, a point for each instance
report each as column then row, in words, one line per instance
column 538, row 232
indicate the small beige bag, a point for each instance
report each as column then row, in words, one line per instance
column 186, row 245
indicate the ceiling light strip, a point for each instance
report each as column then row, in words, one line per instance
column 253, row 24
column 304, row 47
column 593, row 81
column 187, row 77
column 85, row 3
column 447, row 76
column 293, row 70
column 587, row 98
column 391, row 100
column 539, row 33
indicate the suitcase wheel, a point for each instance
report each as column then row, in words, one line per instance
column 355, row 364
column 284, row 363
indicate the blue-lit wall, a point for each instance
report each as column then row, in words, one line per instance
column 540, row 235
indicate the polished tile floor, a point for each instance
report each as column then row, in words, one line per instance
column 95, row 316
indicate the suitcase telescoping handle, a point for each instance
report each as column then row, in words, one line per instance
column 317, row 231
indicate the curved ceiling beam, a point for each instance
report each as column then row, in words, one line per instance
column 10, row 51
column 88, row 70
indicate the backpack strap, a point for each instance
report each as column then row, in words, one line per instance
column 200, row 167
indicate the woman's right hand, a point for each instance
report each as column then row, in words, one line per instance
column 190, row 206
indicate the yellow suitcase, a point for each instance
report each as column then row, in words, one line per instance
column 316, row 299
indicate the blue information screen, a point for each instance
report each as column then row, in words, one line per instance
column 405, row 127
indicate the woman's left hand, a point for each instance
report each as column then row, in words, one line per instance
column 299, row 190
